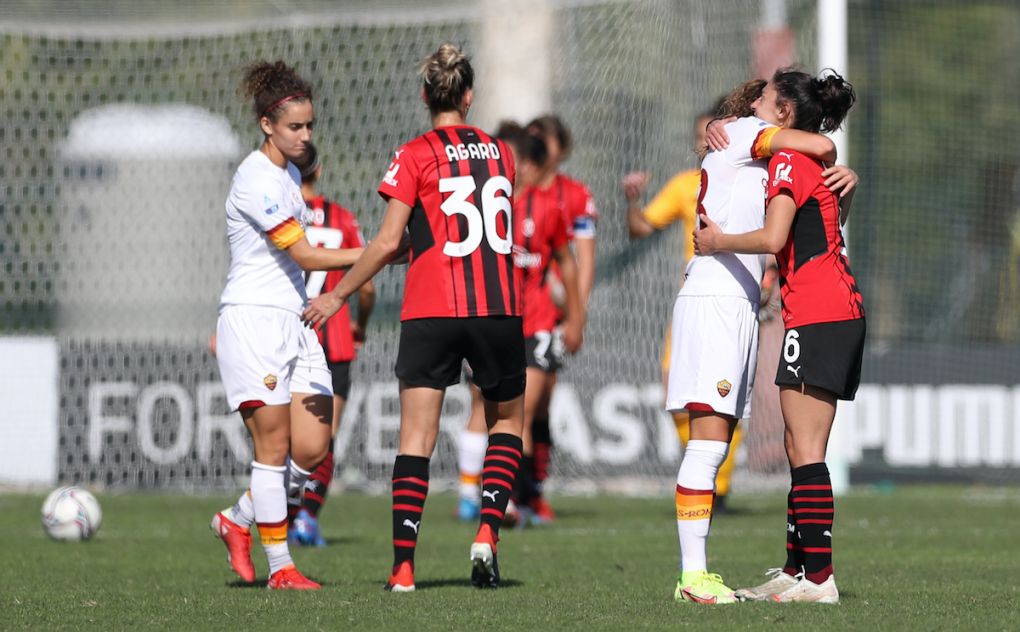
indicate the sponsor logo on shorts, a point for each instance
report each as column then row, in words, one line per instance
column 723, row 387
column 270, row 381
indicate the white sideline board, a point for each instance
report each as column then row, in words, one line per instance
column 29, row 403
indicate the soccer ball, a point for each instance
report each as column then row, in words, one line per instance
column 71, row 513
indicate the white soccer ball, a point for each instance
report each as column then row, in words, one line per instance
column 71, row 513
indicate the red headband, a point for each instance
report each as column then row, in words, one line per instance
column 296, row 95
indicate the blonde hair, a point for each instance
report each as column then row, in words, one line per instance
column 446, row 76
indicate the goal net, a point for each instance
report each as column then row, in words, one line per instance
column 121, row 129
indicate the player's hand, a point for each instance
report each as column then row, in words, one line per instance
column 706, row 238
column 358, row 333
column 634, row 184
column 840, row 179
column 715, row 134
column 321, row 308
column 573, row 335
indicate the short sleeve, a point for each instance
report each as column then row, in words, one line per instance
column 584, row 223
column 266, row 206
column 678, row 200
column 401, row 178
column 787, row 173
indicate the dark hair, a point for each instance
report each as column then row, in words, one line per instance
column 819, row 104
column 446, row 76
column 552, row 125
column 738, row 102
column 309, row 164
column 273, row 85
column 529, row 147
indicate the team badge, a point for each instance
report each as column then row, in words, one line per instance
column 528, row 227
column 270, row 381
column 723, row 387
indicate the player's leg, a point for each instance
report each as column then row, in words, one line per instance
column 270, row 431
column 429, row 360
column 724, row 479
column 542, row 448
column 420, row 409
column 495, row 350
column 695, row 494
column 305, row 527
column 809, row 412
column 471, row 446
column 524, row 488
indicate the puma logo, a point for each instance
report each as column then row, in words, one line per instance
column 827, row 533
column 490, row 495
column 413, row 525
column 796, row 372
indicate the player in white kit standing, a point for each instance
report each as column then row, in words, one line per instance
column 273, row 368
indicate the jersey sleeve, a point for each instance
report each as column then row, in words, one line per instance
column 788, row 173
column 761, row 147
column 584, row 222
column 401, row 178
column 678, row 200
column 265, row 206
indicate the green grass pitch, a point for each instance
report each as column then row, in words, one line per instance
column 921, row 558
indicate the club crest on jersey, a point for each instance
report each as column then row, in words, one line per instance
column 270, row 381
column 528, row 227
column 723, row 387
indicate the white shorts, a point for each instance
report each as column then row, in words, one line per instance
column 714, row 354
column 265, row 354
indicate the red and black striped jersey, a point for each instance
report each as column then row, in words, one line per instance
column 539, row 230
column 458, row 182
column 816, row 283
column 332, row 226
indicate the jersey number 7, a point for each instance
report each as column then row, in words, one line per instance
column 327, row 238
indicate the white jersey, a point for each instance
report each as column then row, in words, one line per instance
column 264, row 211
column 733, row 196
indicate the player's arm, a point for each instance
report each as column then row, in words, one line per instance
column 633, row 187
column 770, row 239
column 573, row 324
column 377, row 254
column 311, row 258
column 584, row 247
column 808, row 143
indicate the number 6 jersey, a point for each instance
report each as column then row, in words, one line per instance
column 458, row 182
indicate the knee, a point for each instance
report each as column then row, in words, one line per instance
column 308, row 456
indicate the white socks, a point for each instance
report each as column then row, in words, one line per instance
column 471, row 458
column 695, row 491
column 242, row 513
column 269, row 497
column 296, row 479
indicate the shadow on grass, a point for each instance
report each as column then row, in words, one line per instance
column 461, row 581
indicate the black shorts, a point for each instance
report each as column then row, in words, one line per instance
column 824, row 355
column 341, row 378
column 544, row 350
column 432, row 351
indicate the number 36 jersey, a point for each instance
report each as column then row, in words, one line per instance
column 458, row 182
